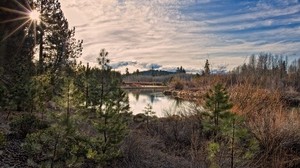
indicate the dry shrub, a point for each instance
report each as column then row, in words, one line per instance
column 177, row 83
column 175, row 132
column 147, row 152
column 272, row 124
column 198, row 151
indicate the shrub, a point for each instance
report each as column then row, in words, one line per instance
column 26, row 124
column 56, row 146
column 138, row 118
column 274, row 126
column 178, row 85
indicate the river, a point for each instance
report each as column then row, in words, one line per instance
column 162, row 105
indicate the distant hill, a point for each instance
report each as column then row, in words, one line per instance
column 154, row 73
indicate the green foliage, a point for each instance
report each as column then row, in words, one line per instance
column 30, row 87
column 15, row 57
column 101, row 86
column 58, row 146
column 111, row 128
column 95, row 84
column 58, row 45
column 148, row 110
column 217, row 105
column 213, row 149
column 227, row 130
column 58, row 48
column 80, row 85
column 110, row 107
column 42, row 91
column 26, row 124
column 252, row 146
column 138, row 118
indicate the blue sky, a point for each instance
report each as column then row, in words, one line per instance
column 166, row 34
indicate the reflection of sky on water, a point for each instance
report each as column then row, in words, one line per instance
column 159, row 102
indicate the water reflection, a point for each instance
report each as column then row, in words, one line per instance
column 139, row 98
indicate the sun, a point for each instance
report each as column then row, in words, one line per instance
column 34, row 15
column 27, row 17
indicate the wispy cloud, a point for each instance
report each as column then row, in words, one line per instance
column 172, row 33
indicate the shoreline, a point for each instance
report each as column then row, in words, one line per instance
column 145, row 87
column 195, row 95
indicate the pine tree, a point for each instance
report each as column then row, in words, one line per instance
column 126, row 71
column 226, row 127
column 103, row 61
column 58, row 46
column 80, row 82
column 110, row 125
column 110, row 104
column 180, row 70
column 217, row 105
column 60, row 145
column 58, row 50
column 206, row 68
column 148, row 113
column 16, row 53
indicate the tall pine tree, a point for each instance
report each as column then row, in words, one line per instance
column 16, row 54
column 58, row 48
column 111, row 105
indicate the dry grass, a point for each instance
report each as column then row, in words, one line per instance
column 274, row 126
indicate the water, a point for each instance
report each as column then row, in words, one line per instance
column 161, row 104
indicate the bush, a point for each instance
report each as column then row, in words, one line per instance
column 138, row 118
column 27, row 124
column 57, row 146
column 178, row 85
column 274, row 126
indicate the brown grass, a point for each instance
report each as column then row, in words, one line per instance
column 274, row 125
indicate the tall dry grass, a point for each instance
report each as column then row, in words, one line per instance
column 274, row 126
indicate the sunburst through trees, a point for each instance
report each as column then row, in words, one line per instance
column 40, row 24
column 22, row 14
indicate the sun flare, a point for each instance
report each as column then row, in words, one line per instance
column 25, row 16
column 34, row 15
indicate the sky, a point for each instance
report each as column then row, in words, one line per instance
column 165, row 34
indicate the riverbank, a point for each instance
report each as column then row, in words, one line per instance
column 194, row 95
column 291, row 99
column 145, row 87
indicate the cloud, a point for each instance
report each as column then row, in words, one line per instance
column 165, row 34
column 122, row 64
column 150, row 66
